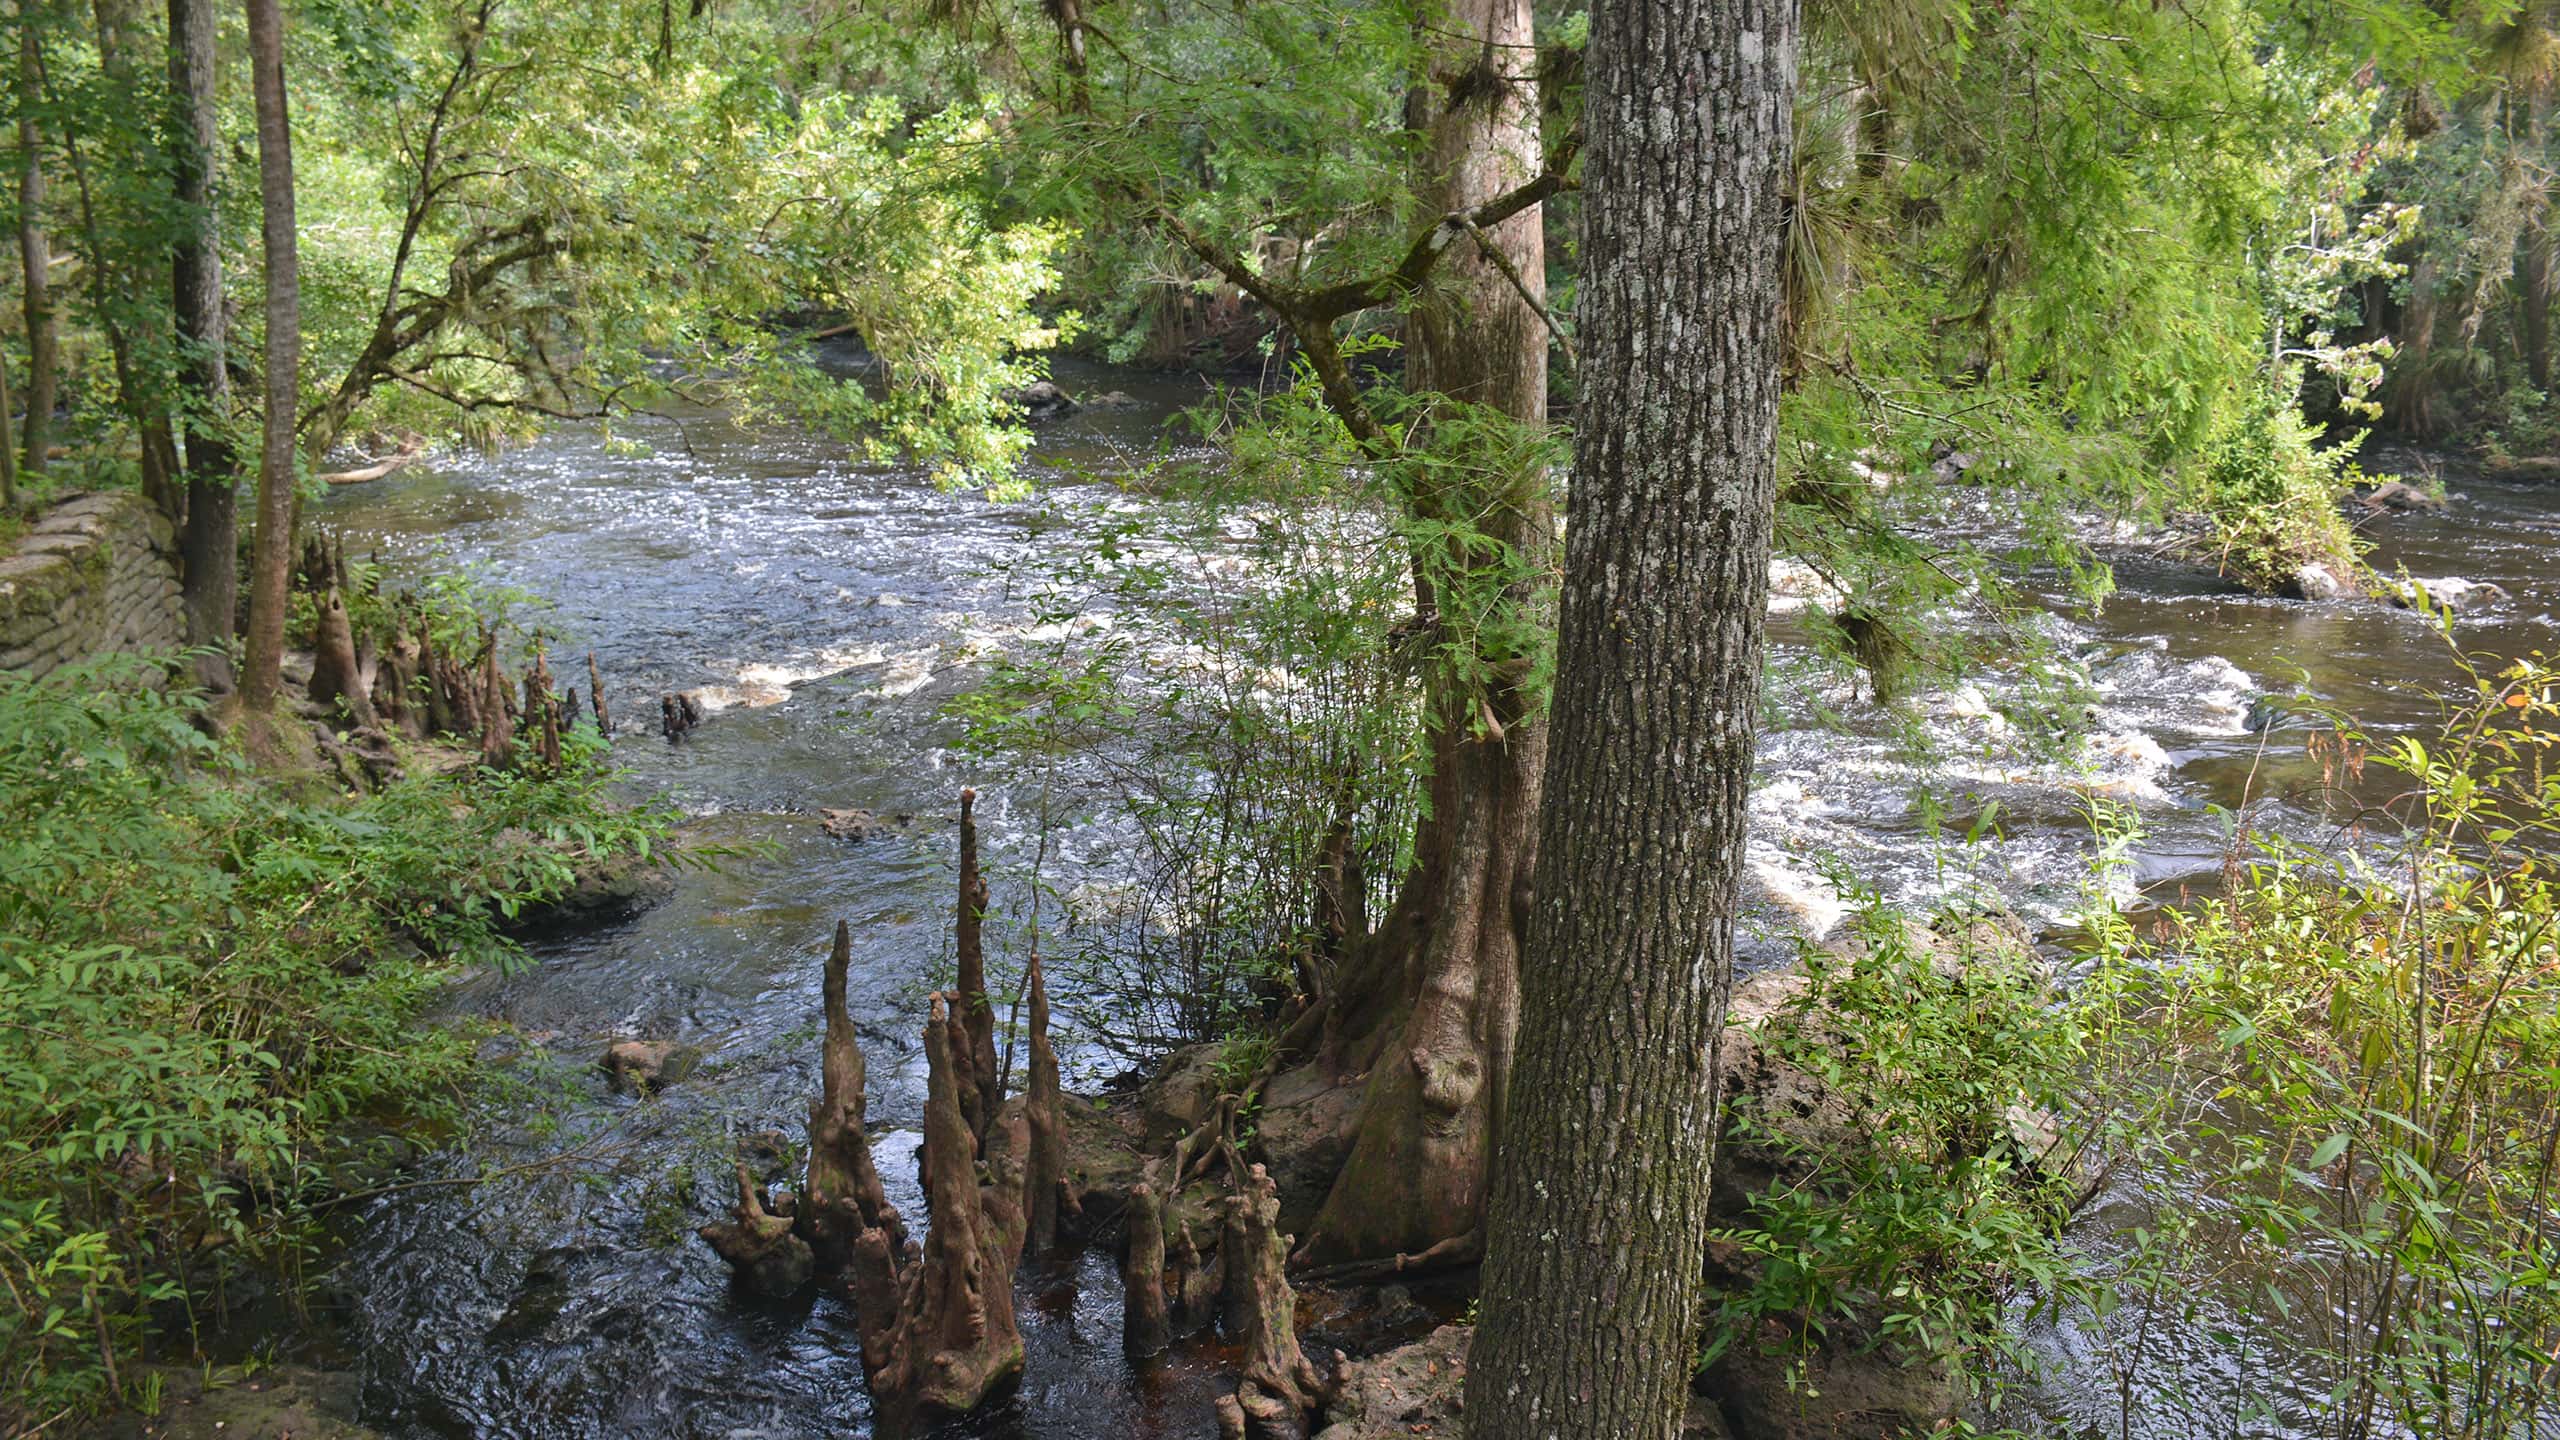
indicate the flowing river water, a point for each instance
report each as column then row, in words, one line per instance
column 831, row 608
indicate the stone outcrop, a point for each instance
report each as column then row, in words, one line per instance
column 97, row 574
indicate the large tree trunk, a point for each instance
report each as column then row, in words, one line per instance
column 210, row 545
column 2412, row 393
column 1439, row 996
column 1597, row 1227
column 35, row 253
column 271, row 563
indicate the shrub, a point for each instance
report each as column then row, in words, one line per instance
column 2272, row 495
column 2338, row 1086
column 201, row 980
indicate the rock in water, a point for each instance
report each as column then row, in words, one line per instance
column 2401, row 497
column 2317, row 581
column 1041, row 400
column 2449, row 593
column 645, row 1067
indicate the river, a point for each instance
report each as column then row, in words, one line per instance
column 831, row 608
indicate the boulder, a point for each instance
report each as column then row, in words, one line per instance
column 2401, row 497
column 645, row 1067
column 2319, row 581
column 1182, row 1096
column 2522, row 467
column 854, row 825
column 2448, row 592
column 1305, row 1128
column 1419, row 1389
column 1840, row 1389
column 1042, row 400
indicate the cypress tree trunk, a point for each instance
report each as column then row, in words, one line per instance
column 1598, row 1215
column 210, row 544
column 35, row 253
column 271, row 564
column 2537, row 294
column 8, row 443
column 1447, row 958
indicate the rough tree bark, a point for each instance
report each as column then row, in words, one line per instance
column 1441, row 981
column 8, row 443
column 337, row 679
column 2538, row 244
column 976, row 1014
column 35, row 254
column 271, row 562
column 1278, row 1386
column 1598, row 1219
column 1044, row 1192
column 845, row 1196
column 938, row 1331
column 2411, row 395
column 210, row 546
column 1145, row 1326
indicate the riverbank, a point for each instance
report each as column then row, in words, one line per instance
column 835, row 610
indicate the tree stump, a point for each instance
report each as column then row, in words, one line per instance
column 1044, row 1177
column 1280, row 1386
column 762, row 1247
column 337, row 681
column 1144, row 1327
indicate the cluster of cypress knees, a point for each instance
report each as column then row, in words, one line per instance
column 936, row 1316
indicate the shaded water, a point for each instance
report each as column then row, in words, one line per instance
column 834, row 607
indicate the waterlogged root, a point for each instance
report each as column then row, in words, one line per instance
column 936, row 1319
column 1280, row 1387
column 1146, row 1327
column 763, row 1247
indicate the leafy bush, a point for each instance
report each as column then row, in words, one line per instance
column 2339, row 1087
column 1914, row 1214
column 2272, row 496
column 201, row 981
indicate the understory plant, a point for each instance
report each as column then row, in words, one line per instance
column 2271, row 493
column 1223, row 704
column 2335, row 1093
column 1930, row 1183
column 204, row 980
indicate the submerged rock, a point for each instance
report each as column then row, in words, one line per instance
column 1042, row 400
column 645, row 1067
column 287, row 1401
column 2448, row 592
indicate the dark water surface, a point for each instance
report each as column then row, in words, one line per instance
column 831, row 608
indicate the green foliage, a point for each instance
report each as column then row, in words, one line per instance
column 2336, row 1086
column 201, row 983
column 1921, row 1196
column 2272, row 495
column 1231, row 697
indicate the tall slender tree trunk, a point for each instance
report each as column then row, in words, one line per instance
column 2538, row 240
column 1448, row 956
column 142, row 341
column 1598, row 1220
column 35, row 253
column 2411, row 396
column 272, row 559
column 8, row 443
column 210, row 546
